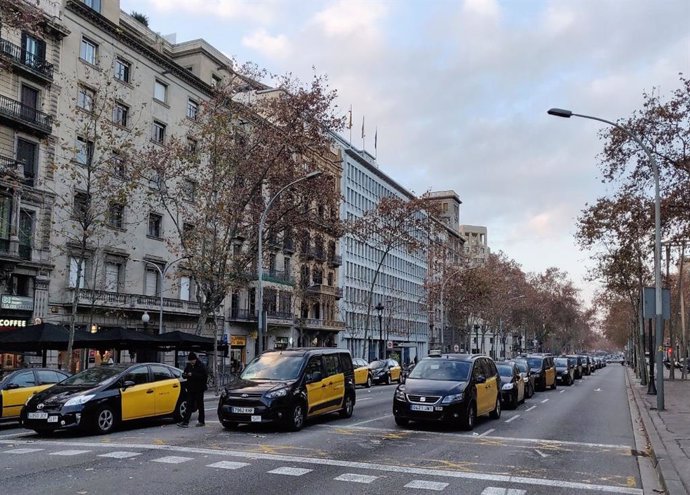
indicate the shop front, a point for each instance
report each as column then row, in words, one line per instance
column 15, row 312
column 238, row 352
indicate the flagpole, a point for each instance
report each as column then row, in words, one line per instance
column 350, row 125
column 364, row 146
column 376, row 143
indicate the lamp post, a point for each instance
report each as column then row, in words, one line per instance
column 260, row 257
column 379, row 311
column 559, row 112
column 162, row 276
column 142, row 356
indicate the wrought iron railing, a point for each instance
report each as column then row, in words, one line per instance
column 242, row 314
column 26, row 59
column 16, row 110
column 131, row 301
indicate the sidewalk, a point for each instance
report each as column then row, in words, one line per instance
column 668, row 431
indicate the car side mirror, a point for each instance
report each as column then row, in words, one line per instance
column 480, row 379
column 127, row 384
column 12, row 386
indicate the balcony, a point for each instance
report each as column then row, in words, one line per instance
column 278, row 277
column 27, row 118
column 15, row 169
column 334, row 260
column 27, row 62
column 322, row 289
column 320, row 324
column 237, row 314
column 140, row 302
column 306, row 253
column 280, row 315
column 339, row 293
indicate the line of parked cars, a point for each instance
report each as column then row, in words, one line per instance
column 458, row 388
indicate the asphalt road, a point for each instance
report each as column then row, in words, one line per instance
column 572, row 440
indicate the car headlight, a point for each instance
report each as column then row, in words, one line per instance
column 449, row 399
column 224, row 393
column 281, row 392
column 28, row 399
column 79, row 400
column 507, row 386
column 400, row 393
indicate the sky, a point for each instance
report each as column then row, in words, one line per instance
column 457, row 92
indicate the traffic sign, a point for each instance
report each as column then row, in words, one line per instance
column 389, row 344
column 456, row 348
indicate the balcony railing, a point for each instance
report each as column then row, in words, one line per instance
column 335, row 260
column 119, row 300
column 280, row 315
column 323, row 324
column 239, row 314
column 322, row 289
column 27, row 60
column 279, row 277
column 25, row 115
column 10, row 166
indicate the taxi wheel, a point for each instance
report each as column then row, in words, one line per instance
column 467, row 422
column 369, row 381
column 387, row 380
column 104, row 420
column 496, row 413
column 401, row 421
column 348, row 407
column 296, row 418
column 180, row 410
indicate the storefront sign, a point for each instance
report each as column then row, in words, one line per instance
column 12, row 323
column 17, row 302
column 237, row 340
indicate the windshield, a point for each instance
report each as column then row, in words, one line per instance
column 504, row 370
column 522, row 366
column 561, row 362
column 377, row 364
column 92, row 377
column 534, row 362
column 273, row 366
column 437, row 369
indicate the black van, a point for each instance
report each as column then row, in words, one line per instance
column 288, row 386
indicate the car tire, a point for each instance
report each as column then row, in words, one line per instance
column 370, row 382
column 467, row 421
column 553, row 387
column 496, row 413
column 531, row 391
column 348, row 406
column 295, row 420
column 43, row 432
column 104, row 420
column 387, row 380
column 401, row 421
column 229, row 425
column 180, row 410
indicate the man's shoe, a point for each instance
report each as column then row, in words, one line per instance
column 183, row 425
column 201, row 424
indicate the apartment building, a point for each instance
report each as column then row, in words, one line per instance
column 29, row 60
column 402, row 328
column 477, row 242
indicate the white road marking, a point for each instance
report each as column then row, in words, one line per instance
column 530, row 408
column 17, row 434
column 502, row 491
column 290, row 471
column 513, row 418
column 364, row 398
column 21, row 451
column 120, row 454
column 597, row 390
column 172, row 459
column 545, row 401
column 371, row 420
column 228, row 465
column 490, row 430
column 541, row 453
column 70, row 452
column 387, row 468
column 356, row 478
column 561, row 391
column 426, row 485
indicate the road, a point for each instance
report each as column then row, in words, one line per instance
column 576, row 439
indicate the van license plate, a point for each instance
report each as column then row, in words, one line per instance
column 243, row 410
column 415, row 407
column 37, row 415
column 256, row 419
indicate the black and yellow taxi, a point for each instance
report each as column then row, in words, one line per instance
column 565, row 370
column 512, row 384
column 385, row 371
column 98, row 399
column 451, row 388
column 16, row 386
column 544, row 370
column 362, row 372
column 288, row 386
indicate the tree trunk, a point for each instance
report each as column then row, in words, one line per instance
column 683, row 330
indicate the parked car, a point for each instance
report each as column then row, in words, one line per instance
column 385, row 371
column 578, row 363
column 512, row 384
column 565, row 371
column 587, row 366
column 16, row 386
column 290, row 386
column 362, row 372
column 451, row 388
column 527, row 376
column 406, row 372
column 98, row 399
column 544, row 370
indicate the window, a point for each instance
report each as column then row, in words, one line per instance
column 26, row 233
column 151, row 281
column 188, row 189
column 93, row 4
column 215, row 81
column 192, row 109
column 118, row 165
column 191, row 145
column 160, row 91
column 185, row 284
column 74, row 267
column 88, row 51
column 33, row 51
column 332, row 364
column 27, row 153
column 161, row 373
column 120, row 114
column 81, row 205
column 85, row 98
column 138, row 375
column 84, row 151
column 155, row 221
column 116, row 215
column 112, row 277
column 49, row 376
column 5, row 215
column 122, row 70
column 158, row 132
column 25, row 379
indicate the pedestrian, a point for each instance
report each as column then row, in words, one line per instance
column 21, row 363
column 196, row 375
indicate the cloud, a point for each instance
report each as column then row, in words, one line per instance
column 264, row 11
column 350, row 18
column 273, row 47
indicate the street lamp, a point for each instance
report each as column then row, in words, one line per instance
column 260, row 257
column 559, row 112
column 379, row 311
column 162, row 275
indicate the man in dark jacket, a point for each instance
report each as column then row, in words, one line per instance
column 196, row 375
